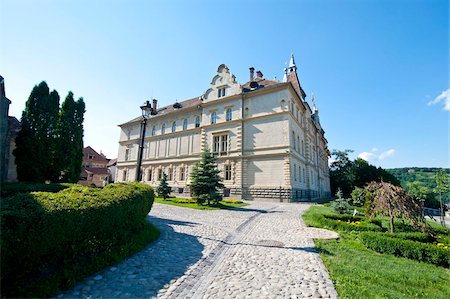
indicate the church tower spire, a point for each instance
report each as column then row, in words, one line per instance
column 292, row 77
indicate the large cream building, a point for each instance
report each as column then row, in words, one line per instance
column 268, row 141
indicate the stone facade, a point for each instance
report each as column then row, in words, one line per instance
column 268, row 141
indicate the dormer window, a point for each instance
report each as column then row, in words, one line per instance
column 221, row 92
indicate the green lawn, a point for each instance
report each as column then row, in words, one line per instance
column 222, row 205
column 358, row 272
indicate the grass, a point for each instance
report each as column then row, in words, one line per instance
column 358, row 272
column 180, row 202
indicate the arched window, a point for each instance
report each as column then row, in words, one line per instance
column 229, row 114
column 214, row 117
column 197, row 121
column 163, row 129
column 154, row 131
column 185, row 124
column 174, row 126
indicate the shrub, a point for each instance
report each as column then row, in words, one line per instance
column 9, row 189
column 233, row 201
column 391, row 244
column 345, row 223
column 53, row 236
column 185, row 200
column 358, row 197
column 341, row 205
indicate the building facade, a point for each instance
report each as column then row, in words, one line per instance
column 94, row 171
column 268, row 142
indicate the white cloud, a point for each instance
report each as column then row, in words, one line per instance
column 367, row 156
column 373, row 155
column 443, row 97
column 386, row 154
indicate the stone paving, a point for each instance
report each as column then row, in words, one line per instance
column 260, row 251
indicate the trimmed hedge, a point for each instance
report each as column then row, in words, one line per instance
column 346, row 223
column 9, row 189
column 397, row 245
column 46, row 234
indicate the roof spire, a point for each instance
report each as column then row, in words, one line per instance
column 285, row 74
column 292, row 66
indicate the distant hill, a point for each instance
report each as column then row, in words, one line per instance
column 424, row 175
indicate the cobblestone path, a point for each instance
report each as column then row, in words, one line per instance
column 260, row 251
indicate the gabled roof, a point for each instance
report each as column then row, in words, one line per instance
column 99, row 171
column 96, row 157
column 194, row 102
column 112, row 162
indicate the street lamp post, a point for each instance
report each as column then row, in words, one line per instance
column 146, row 109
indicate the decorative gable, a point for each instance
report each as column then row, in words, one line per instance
column 222, row 85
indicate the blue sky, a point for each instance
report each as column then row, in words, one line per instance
column 378, row 69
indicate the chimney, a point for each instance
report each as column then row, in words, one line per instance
column 252, row 73
column 259, row 74
column 154, row 103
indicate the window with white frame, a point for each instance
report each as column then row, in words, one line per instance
column 174, row 126
column 125, row 175
column 295, row 172
column 185, row 124
column 299, row 173
column 220, row 144
column 154, row 131
column 163, row 129
column 214, row 117
column 229, row 114
column 128, row 134
column 159, row 174
column 227, row 172
column 221, row 92
column 170, row 174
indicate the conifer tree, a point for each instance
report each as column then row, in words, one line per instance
column 71, row 138
column 163, row 189
column 205, row 179
column 36, row 142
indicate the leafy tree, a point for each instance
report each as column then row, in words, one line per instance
column 206, row 180
column 346, row 174
column 163, row 189
column 341, row 175
column 442, row 185
column 36, row 142
column 393, row 201
column 70, row 132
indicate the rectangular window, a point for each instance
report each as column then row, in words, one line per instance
column 182, row 174
column 224, row 144
column 216, row 142
column 124, row 175
column 149, row 175
column 127, row 154
column 295, row 172
column 229, row 114
column 170, row 174
column 227, row 172
column 159, row 174
column 221, row 92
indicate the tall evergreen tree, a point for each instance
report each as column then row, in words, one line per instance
column 71, row 138
column 36, row 141
column 163, row 189
column 206, row 180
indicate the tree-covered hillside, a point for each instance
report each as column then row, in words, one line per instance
column 420, row 177
column 425, row 176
